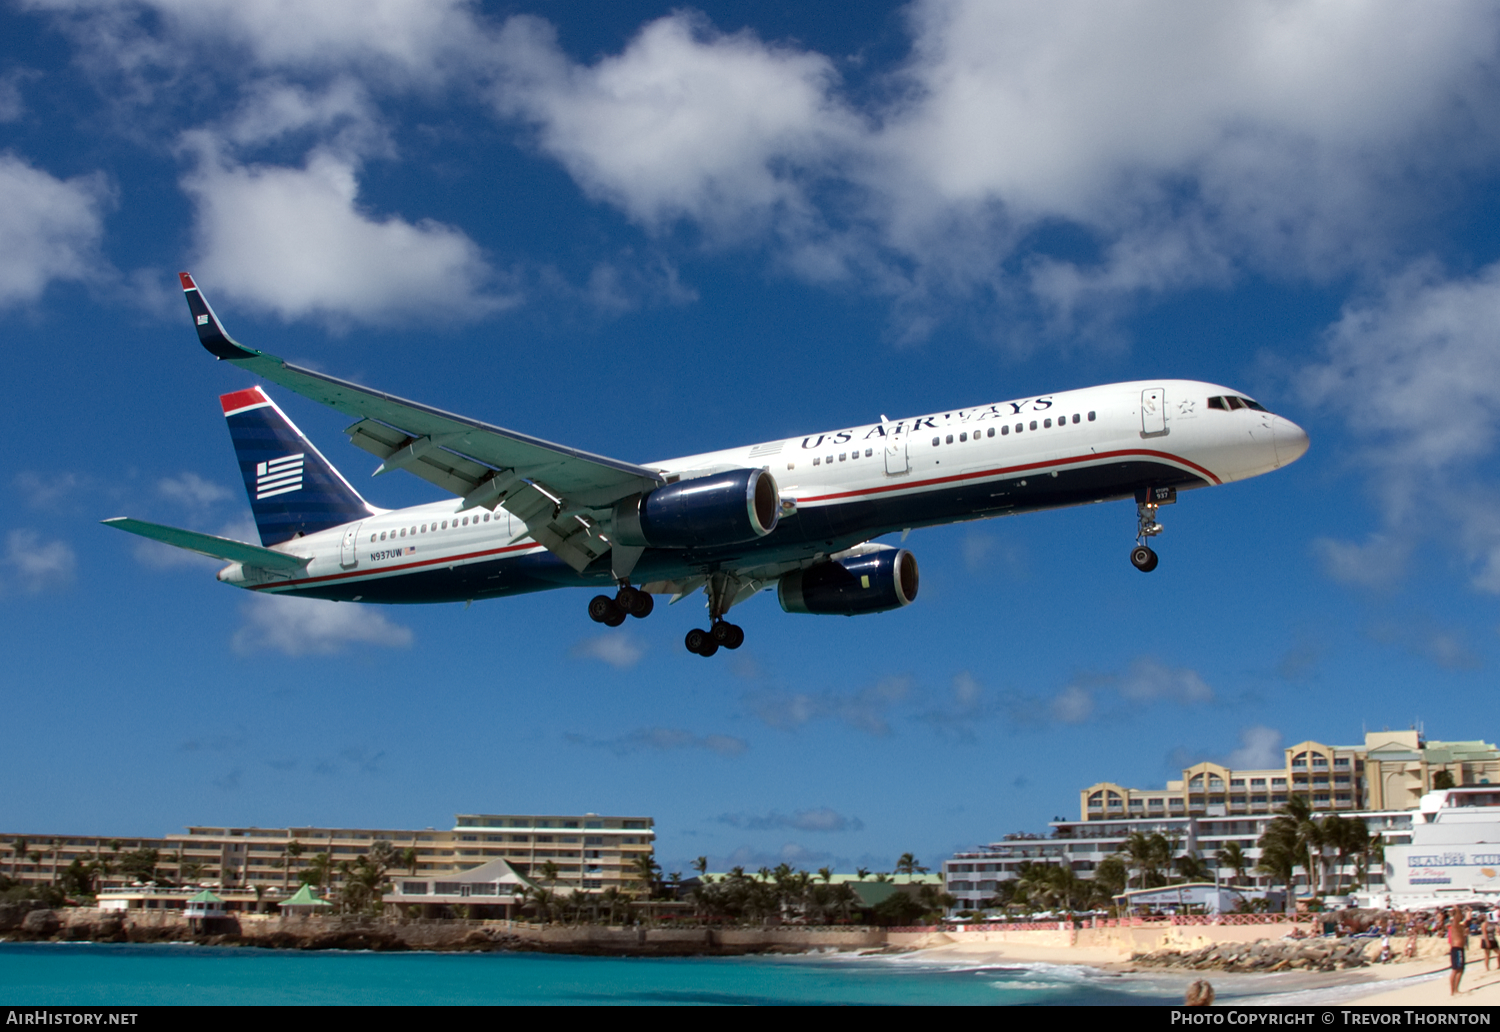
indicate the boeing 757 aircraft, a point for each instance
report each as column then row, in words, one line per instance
column 801, row 514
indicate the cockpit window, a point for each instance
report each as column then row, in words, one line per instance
column 1234, row 401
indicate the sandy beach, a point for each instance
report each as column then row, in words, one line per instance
column 1419, row 982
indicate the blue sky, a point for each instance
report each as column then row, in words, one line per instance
column 649, row 230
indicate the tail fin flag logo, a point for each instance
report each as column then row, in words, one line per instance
column 278, row 476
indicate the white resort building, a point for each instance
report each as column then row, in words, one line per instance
column 1212, row 806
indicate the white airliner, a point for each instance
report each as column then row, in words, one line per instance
column 801, row 514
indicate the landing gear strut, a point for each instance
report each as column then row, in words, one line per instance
column 1147, row 501
column 721, row 590
column 627, row 602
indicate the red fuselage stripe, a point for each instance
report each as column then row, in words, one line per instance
column 403, row 566
column 1000, row 471
column 1003, row 470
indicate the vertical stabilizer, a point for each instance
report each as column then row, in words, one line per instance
column 293, row 490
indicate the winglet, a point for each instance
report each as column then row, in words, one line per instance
column 210, row 331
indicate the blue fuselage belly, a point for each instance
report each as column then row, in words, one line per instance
column 824, row 528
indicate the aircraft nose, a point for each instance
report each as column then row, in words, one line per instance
column 1290, row 439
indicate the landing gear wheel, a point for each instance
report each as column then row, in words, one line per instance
column 700, row 642
column 603, row 609
column 635, row 602
column 728, row 635
column 1143, row 558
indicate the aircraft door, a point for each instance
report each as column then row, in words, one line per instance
column 896, row 462
column 1153, row 412
column 349, row 548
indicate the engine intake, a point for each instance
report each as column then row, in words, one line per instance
column 872, row 582
column 723, row 509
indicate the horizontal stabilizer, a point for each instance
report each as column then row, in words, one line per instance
column 212, row 546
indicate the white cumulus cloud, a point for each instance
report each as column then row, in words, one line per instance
column 304, row 627
column 1412, row 371
column 1260, row 748
column 50, row 228
column 295, row 241
column 36, row 564
column 686, row 122
column 619, row 650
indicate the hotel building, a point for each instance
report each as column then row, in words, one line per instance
column 1379, row 781
column 590, row 851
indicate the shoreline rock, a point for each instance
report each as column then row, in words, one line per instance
column 1263, row 955
column 455, row 936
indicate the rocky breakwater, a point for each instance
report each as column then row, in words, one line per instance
column 1265, row 955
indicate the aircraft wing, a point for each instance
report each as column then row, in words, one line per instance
column 550, row 487
column 213, row 546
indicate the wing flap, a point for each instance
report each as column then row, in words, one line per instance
column 212, row 546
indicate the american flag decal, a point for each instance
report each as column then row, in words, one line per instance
column 278, row 476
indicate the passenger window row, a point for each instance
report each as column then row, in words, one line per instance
column 1046, row 424
column 429, row 527
column 843, row 456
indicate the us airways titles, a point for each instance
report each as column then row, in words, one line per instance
column 974, row 415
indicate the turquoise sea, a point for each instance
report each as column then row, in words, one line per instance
column 88, row 974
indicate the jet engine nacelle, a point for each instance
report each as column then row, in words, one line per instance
column 723, row 509
column 871, row 582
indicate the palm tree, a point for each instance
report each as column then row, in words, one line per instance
column 1279, row 851
column 1148, row 852
column 1112, row 876
column 645, row 867
column 1349, row 836
column 291, row 851
column 909, row 866
column 701, row 866
column 1192, row 868
column 1234, row 858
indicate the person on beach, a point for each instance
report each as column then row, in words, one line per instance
column 1487, row 939
column 1199, row 994
column 1458, row 939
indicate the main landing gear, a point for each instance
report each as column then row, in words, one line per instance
column 706, row 643
column 628, row 601
column 721, row 589
column 1147, row 501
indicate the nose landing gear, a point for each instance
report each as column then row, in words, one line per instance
column 1147, row 502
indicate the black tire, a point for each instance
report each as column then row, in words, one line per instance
column 601, row 608
column 722, row 632
column 1143, row 558
column 737, row 639
column 696, row 639
column 616, row 618
column 635, row 602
